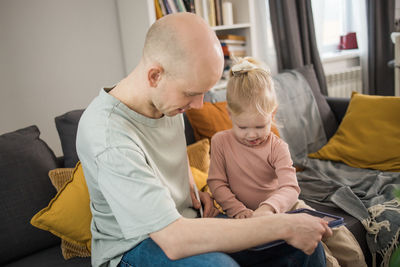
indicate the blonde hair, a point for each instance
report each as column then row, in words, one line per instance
column 250, row 85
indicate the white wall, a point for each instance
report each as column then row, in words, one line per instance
column 55, row 55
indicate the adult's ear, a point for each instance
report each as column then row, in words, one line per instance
column 154, row 75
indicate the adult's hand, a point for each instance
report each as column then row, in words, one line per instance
column 208, row 205
column 305, row 231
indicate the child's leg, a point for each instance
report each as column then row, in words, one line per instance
column 341, row 246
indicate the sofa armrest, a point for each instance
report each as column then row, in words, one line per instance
column 338, row 106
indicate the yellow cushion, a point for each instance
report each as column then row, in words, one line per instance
column 59, row 177
column 200, row 178
column 369, row 135
column 199, row 155
column 68, row 214
column 72, row 202
column 212, row 118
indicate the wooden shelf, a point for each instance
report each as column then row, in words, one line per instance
column 231, row 27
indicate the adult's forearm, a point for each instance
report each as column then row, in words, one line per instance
column 187, row 237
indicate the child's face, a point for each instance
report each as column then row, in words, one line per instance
column 251, row 128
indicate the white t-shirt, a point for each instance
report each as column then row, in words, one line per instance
column 136, row 171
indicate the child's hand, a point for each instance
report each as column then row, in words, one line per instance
column 244, row 214
column 263, row 210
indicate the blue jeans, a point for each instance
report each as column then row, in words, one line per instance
column 148, row 253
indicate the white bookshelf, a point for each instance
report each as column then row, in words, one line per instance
column 135, row 17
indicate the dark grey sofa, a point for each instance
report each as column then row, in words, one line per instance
column 25, row 188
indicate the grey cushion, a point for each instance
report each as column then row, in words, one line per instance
column 67, row 126
column 328, row 118
column 50, row 257
column 215, row 96
column 25, row 189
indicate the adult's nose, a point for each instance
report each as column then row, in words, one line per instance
column 197, row 102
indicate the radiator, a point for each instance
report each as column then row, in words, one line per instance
column 342, row 83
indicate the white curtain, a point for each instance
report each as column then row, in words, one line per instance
column 359, row 8
column 265, row 42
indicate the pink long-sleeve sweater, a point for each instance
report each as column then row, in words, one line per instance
column 243, row 177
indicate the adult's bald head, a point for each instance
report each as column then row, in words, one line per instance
column 183, row 42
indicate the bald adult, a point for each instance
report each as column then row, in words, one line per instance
column 132, row 147
column 190, row 45
column 179, row 50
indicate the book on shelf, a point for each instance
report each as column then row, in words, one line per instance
column 218, row 12
column 189, row 4
column 167, row 7
column 198, row 8
column 231, row 37
column 236, row 51
column 209, row 10
column 162, row 6
column 232, row 42
column 157, row 6
column 211, row 13
column 172, row 5
column 205, row 8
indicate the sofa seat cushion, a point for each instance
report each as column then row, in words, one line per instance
column 25, row 188
column 49, row 257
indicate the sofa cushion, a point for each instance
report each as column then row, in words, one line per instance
column 199, row 177
column 368, row 136
column 49, row 257
column 59, row 177
column 215, row 96
column 212, row 118
column 298, row 115
column 328, row 118
column 199, row 155
column 67, row 126
column 61, row 215
column 25, row 188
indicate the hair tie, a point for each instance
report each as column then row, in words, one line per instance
column 244, row 66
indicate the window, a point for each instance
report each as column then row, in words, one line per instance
column 332, row 18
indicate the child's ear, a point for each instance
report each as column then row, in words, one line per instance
column 229, row 113
column 274, row 111
column 154, row 75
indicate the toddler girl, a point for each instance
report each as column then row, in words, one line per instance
column 251, row 172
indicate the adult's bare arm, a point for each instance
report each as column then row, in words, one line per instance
column 187, row 237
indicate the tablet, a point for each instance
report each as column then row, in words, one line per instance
column 333, row 221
